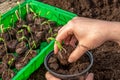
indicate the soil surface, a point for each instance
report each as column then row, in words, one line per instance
column 39, row 74
column 106, row 57
column 6, row 5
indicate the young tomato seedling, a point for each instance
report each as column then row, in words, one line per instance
column 59, row 46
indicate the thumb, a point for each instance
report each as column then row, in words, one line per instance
column 77, row 53
column 90, row 76
column 50, row 77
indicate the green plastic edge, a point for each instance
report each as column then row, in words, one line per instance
column 61, row 17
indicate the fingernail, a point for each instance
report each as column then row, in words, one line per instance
column 70, row 60
column 54, row 52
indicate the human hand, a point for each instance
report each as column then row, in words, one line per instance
column 90, row 33
column 90, row 76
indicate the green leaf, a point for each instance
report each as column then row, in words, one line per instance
column 11, row 61
column 50, row 39
column 39, row 13
column 1, row 27
column 28, row 28
column 31, row 10
column 46, row 22
column 50, row 30
column 21, row 30
column 59, row 45
column 16, row 13
column 0, row 17
column 1, row 39
column 22, row 38
column 54, row 35
column 34, row 45
column 27, row 9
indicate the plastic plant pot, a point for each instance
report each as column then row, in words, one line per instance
column 73, row 76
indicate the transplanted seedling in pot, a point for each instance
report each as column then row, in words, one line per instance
column 62, row 53
column 58, row 65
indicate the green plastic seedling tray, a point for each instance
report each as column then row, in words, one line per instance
column 61, row 17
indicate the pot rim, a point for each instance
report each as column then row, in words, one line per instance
column 89, row 54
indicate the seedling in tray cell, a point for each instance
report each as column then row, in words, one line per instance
column 4, row 34
column 22, row 61
column 33, row 40
column 20, row 22
column 3, row 67
column 11, row 44
column 4, row 43
column 19, row 35
column 21, row 46
column 30, row 15
column 9, row 59
column 7, row 74
column 2, row 50
column 28, row 30
column 30, row 53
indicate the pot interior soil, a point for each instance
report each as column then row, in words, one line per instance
column 59, row 63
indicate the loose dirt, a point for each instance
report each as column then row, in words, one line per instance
column 6, row 5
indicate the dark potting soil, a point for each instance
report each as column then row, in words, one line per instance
column 106, row 57
column 6, row 5
column 39, row 74
column 59, row 62
column 98, row 9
